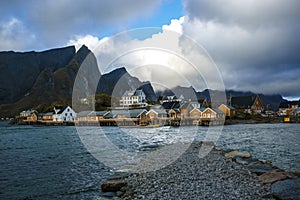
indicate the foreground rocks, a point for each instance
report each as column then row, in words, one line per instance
column 215, row 176
column 287, row 189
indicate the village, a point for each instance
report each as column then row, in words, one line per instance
column 133, row 110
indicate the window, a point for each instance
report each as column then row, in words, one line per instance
column 195, row 114
column 66, row 114
column 71, row 114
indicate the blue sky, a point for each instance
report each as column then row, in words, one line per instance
column 255, row 44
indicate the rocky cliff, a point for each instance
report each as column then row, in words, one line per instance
column 20, row 71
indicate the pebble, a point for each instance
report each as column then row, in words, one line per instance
column 192, row 177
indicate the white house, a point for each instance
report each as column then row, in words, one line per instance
column 133, row 98
column 65, row 114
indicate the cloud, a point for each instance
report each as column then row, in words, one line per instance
column 14, row 36
column 254, row 43
column 55, row 22
column 159, row 58
column 57, row 19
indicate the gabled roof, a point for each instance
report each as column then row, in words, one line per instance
column 218, row 111
column 135, row 113
column 84, row 113
column 170, row 98
column 184, row 105
column 171, row 105
column 28, row 112
column 158, row 111
column 228, row 106
column 48, row 114
column 60, row 109
column 97, row 113
column 187, row 104
column 139, row 93
column 199, row 109
column 133, row 93
column 242, row 102
column 176, row 110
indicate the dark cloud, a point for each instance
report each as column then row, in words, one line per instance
column 55, row 22
column 255, row 43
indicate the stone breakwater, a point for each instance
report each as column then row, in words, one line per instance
column 222, row 174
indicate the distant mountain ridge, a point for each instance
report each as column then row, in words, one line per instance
column 33, row 78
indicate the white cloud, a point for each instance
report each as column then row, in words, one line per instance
column 159, row 58
column 176, row 25
column 14, row 36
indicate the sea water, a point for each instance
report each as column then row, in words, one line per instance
column 61, row 162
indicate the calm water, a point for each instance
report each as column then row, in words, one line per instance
column 53, row 163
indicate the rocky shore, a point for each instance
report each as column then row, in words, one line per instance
column 222, row 174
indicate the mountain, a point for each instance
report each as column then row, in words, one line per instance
column 116, row 82
column 53, row 74
column 19, row 71
column 270, row 102
column 32, row 79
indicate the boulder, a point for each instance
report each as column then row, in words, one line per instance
column 113, row 185
column 260, row 168
column 244, row 161
column 286, row 189
column 293, row 174
column 242, row 154
column 109, row 194
column 271, row 177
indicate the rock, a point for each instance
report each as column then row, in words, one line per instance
column 293, row 174
column 113, row 185
column 244, row 161
column 260, row 168
column 119, row 193
column 101, row 198
column 243, row 154
column 271, row 177
column 286, row 189
column 109, row 194
column 218, row 148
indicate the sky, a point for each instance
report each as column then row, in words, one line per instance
column 251, row 45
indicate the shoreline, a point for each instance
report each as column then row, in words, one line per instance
column 222, row 174
column 87, row 123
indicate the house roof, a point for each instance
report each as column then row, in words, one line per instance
column 48, row 114
column 133, row 93
column 176, row 110
column 218, row 111
column 242, row 102
column 229, row 106
column 158, row 111
column 97, row 113
column 60, row 109
column 199, row 109
column 84, row 113
column 134, row 113
column 171, row 105
column 184, row 105
column 170, row 98
column 139, row 93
